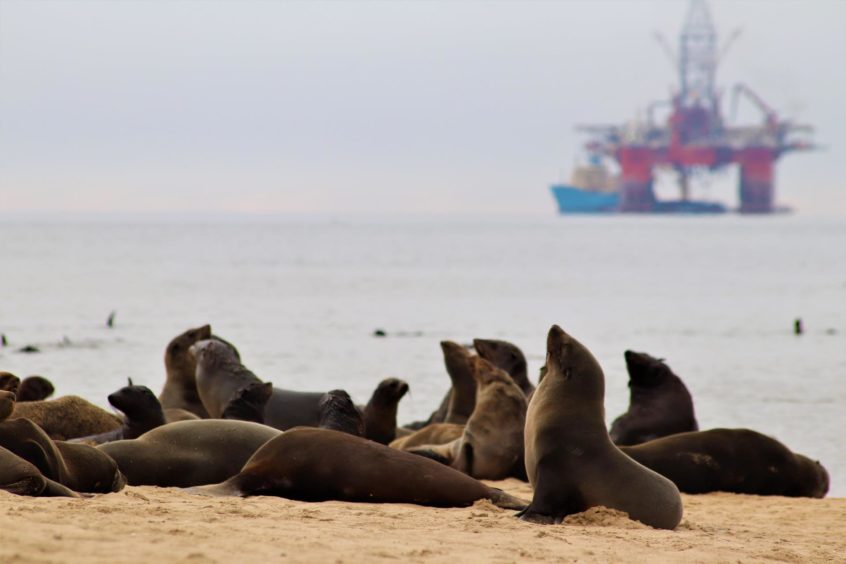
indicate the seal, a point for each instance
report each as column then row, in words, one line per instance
column 188, row 453
column 180, row 388
column 330, row 465
column 20, row 477
column 142, row 412
column 380, row 413
column 67, row 417
column 248, row 403
column 509, row 357
column 434, row 434
column 338, row 412
column 81, row 469
column 659, row 403
column 220, row 375
column 7, row 404
column 35, row 388
column 491, row 445
column 732, row 460
column 9, row 382
column 570, row 460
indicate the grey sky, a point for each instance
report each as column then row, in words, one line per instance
column 373, row 106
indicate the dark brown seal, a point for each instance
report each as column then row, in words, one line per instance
column 330, row 465
column 570, row 460
column 491, row 445
column 9, row 382
column 188, row 453
column 339, row 413
column 220, row 374
column 380, row 413
column 20, row 477
column 67, row 417
column 248, row 403
column 35, row 388
column 509, row 357
column 659, row 403
column 7, row 404
column 732, row 460
column 142, row 412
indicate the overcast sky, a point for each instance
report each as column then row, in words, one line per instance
column 248, row 106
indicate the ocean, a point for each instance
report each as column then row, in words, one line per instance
column 301, row 297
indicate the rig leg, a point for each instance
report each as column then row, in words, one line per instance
column 756, row 180
column 636, row 193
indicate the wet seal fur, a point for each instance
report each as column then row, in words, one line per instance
column 188, row 453
column 248, row 403
column 380, row 413
column 142, row 412
column 732, row 460
column 659, row 403
column 570, row 460
column 491, row 445
column 20, row 477
column 509, row 357
column 331, row 465
column 338, row 412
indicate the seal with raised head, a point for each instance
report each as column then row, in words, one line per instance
column 188, row 453
column 659, row 403
column 180, row 389
column 434, row 434
column 142, row 412
column 509, row 357
column 380, row 413
column 330, row 465
column 67, row 417
column 35, row 388
column 491, row 445
column 732, row 460
column 570, row 460
column 248, row 403
column 220, row 375
column 339, row 413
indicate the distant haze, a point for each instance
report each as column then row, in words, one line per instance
column 399, row 107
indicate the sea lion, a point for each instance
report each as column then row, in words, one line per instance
column 7, row 404
column 659, row 403
column 570, row 460
column 83, row 469
column 9, row 382
column 434, row 434
column 732, row 460
column 20, row 477
column 67, row 417
column 330, row 465
column 142, row 412
column 380, row 413
column 188, row 453
column 35, row 388
column 509, row 357
column 174, row 414
column 220, row 375
column 248, row 403
column 491, row 445
column 180, row 388
column 339, row 413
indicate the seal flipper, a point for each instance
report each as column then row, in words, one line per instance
column 550, row 505
column 445, row 454
column 230, row 487
column 55, row 489
column 507, row 501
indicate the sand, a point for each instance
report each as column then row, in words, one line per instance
column 148, row 524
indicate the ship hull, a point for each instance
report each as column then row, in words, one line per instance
column 572, row 200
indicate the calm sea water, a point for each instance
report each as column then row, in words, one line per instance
column 301, row 297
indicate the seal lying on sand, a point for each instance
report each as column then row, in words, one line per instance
column 20, row 477
column 188, row 453
column 434, row 434
column 67, row 417
column 659, row 405
column 491, row 445
column 509, row 357
column 380, row 414
column 570, row 460
column 35, row 388
column 732, row 460
column 330, row 465
column 220, row 375
column 339, row 413
column 248, row 403
column 82, row 469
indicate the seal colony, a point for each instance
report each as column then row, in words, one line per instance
column 217, row 428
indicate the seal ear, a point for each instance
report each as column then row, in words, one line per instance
column 130, row 381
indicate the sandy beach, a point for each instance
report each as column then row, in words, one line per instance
column 147, row 524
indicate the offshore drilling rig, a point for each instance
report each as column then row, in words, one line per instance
column 694, row 139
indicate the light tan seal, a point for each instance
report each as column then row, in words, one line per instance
column 570, row 459
column 67, row 417
column 434, row 434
